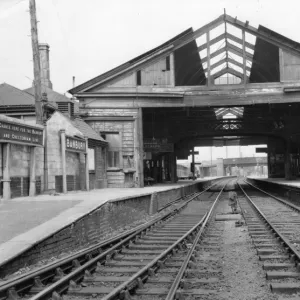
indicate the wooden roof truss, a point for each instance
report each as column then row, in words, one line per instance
column 223, row 111
column 237, row 46
column 228, row 63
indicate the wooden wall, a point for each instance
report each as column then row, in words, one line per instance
column 129, row 80
column 289, row 66
column 154, row 74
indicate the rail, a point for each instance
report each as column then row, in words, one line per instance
column 89, row 257
column 172, row 293
column 295, row 254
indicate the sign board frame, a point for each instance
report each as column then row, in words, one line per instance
column 75, row 144
column 23, row 134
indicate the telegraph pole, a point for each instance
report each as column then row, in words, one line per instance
column 36, row 63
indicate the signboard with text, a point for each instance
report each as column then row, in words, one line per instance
column 20, row 134
column 75, row 144
column 158, row 145
column 261, row 150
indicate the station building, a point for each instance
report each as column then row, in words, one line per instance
column 65, row 154
column 226, row 83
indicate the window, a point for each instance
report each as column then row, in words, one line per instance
column 113, row 159
column 91, row 156
column 168, row 63
column 138, row 77
column 114, row 149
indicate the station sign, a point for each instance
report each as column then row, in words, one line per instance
column 158, row 145
column 75, row 144
column 21, row 134
column 261, row 150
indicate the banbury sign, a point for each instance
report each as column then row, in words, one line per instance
column 75, row 144
column 20, row 134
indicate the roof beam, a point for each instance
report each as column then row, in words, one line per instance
column 238, row 64
column 235, row 50
column 199, row 32
column 270, row 39
column 217, row 64
column 212, row 42
column 214, row 54
column 240, row 41
column 239, row 51
column 229, row 60
column 223, row 36
column 230, row 71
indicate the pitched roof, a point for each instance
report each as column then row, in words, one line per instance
column 10, row 95
column 87, row 130
column 124, row 66
column 179, row 42
column 52, row 95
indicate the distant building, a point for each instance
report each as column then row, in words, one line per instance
column 75, row 156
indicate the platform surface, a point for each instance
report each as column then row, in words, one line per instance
column 26, row 220
column 281, row 181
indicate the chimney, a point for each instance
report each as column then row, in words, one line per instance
column 45, row 66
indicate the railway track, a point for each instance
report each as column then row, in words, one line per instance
column 274, row 226
column 114, row 269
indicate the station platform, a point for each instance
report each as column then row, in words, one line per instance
column 27, row 220
column 295, row 183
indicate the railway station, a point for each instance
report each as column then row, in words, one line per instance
column 95, row 202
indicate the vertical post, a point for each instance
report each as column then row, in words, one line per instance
column 172, row 70
column 63, row 158
column 175, row 166
column 244, row 57
column 32, row 172
column 288, row 169
column 6, row 173
column 193, row 162
column 208, row 59
column 36, row 63
column 136, row 151
column 87, row 173
column 45, row 157
column 172, row 164
column 211, row 161
column 139, row 148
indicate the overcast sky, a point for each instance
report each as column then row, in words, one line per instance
column 89, row 37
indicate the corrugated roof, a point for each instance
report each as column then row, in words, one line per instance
column 87, row 130
column 10, row 95
column 127, row 64
column 52, row 95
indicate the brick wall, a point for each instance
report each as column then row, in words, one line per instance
column 94, row 227
column 20, row 167
column 115, row 179
column 19, row 160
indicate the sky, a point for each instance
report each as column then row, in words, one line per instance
column 90, row 37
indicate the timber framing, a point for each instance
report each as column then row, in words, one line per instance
column 230, row 71
column 246, row 92
column 227, row 60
